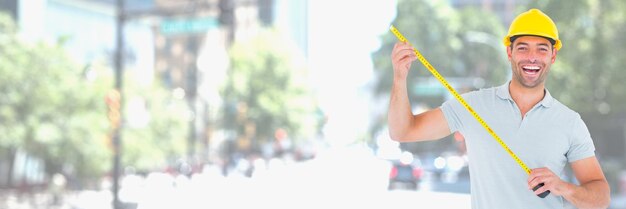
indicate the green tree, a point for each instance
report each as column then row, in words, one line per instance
column 431, row 27
column 55, row 110
column 49, row 107
column 482, row 54
column 156, row 125
column 464, row 45
column 267, row 89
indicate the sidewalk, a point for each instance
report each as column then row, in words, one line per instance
column 44, row 200
column 28, row 200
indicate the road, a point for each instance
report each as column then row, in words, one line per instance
column 340, row 179
column 335, row 180
column 331, row 181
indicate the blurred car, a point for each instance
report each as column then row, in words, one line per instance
column 406, row 172
column 450, row 166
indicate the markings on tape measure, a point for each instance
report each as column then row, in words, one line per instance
column 460, row 99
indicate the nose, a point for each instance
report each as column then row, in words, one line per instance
column 532, row 56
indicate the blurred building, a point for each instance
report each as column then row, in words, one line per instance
column 292, row 16
column 88, row 29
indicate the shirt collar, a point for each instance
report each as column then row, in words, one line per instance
column 503, row 93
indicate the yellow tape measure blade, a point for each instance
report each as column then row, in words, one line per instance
column 466, row 105
column 445, row 83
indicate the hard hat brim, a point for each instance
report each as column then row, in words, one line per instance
column 508, row 40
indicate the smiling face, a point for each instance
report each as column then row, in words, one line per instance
column 531, row 58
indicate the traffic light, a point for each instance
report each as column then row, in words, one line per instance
column 113, row 101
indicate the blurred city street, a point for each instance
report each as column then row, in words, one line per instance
column 274, row 103
column 349, row 177
column 345, row 177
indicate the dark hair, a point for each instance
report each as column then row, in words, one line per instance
column 552, row 41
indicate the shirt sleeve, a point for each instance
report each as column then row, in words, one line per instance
column 452, row 110
column 581, row 144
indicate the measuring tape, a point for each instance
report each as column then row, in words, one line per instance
column 464, row 103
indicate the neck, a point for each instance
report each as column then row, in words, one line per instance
column 526, row 98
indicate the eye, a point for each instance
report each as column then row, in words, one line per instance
column 522, row 48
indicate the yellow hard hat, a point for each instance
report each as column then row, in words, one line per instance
column 535, row 23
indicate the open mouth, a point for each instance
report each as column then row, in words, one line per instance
column 532, row 70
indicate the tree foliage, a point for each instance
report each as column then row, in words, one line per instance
column 156, row 125
column 266, row 89
column 457, row 42
column 54, row 109
column 482, row 55
column 424, row 24
column 49, row 109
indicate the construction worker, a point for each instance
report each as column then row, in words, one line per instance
column 545, row 134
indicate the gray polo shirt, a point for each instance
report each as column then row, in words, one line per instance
column 550, row 135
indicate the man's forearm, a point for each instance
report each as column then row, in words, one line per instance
column 399, row 115
column 594, row 194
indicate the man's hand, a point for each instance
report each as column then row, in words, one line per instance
column 551, row 182
column 401, row 58
column 404, row 126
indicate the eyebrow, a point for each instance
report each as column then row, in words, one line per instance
column 526, row 44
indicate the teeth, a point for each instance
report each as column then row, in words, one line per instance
column 531, row 67
column 531, row 72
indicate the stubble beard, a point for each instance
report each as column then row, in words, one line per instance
column 518, row 71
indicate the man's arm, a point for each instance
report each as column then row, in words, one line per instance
column 403, row 125
column 593, row 192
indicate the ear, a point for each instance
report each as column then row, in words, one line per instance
column 508, row 52
column 554, row 52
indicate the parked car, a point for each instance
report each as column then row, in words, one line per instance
column 450, row 166
column 406, row 172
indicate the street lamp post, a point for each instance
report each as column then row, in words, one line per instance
column 116, row 138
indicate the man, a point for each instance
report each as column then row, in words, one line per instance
column 545, row 134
